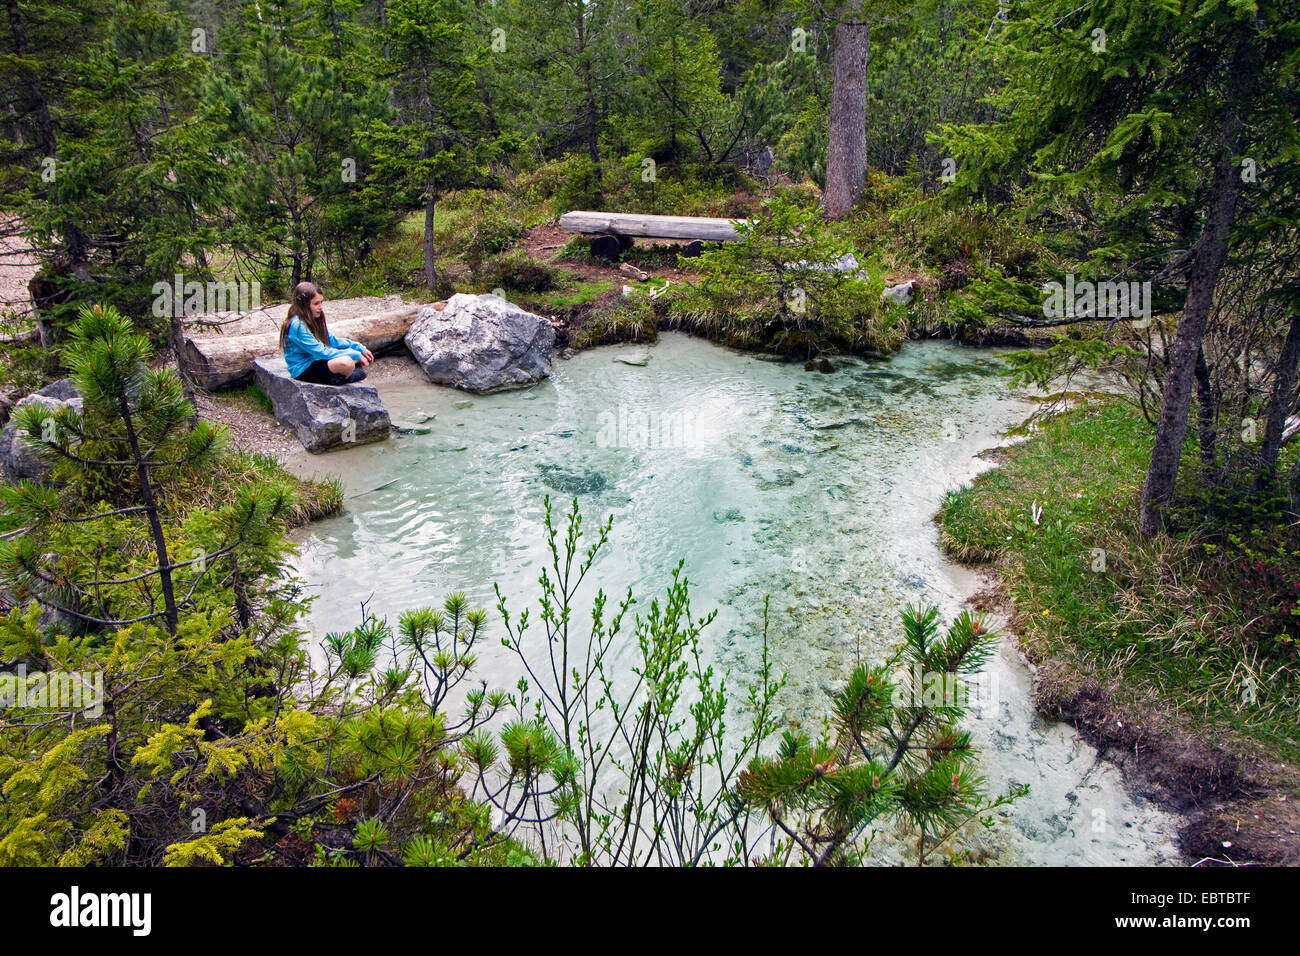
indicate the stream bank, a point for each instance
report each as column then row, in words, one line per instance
column 1127, row 636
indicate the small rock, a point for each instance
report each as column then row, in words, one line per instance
column 630, row 270
column 17, row 461
column 464, row 403
column 633, row 358
column 901, row 293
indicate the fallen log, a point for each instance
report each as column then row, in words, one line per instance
column 220, row 361
column 708, row 228
column 31, row 335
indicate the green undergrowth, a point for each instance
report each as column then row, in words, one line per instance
column 1197, row 621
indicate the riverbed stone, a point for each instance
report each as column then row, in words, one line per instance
column 570, row 482
column 17, row 461
column 482, row 343
column 323, row 417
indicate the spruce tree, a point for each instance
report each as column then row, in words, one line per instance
column 442, row 137
column 1158, row 128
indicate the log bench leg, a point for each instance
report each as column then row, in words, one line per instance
column 610, row 247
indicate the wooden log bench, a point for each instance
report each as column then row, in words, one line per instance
column 220, row 361
column 612, row 232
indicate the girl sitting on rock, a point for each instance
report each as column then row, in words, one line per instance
column 310, row 351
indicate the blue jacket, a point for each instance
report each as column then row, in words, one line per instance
column 301, row 348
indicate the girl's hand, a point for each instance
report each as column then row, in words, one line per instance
column 370, row 356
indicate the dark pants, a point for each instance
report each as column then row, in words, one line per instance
column 318, row 373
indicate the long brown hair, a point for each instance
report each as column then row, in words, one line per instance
column 303, row 293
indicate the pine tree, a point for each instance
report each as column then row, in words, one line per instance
column 114, row 459
column 292, row 112
column 442, row 138
column 894, row 749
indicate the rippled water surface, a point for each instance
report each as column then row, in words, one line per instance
column 814, row 489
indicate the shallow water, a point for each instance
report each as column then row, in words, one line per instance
column 817, row 490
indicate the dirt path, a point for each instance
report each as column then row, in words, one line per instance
column 17, row 266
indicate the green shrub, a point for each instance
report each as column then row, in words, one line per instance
column 518, row 271
column 573, row 184
column 476, row 223
column 577, row 249
column 775, row 288
column 563, row 184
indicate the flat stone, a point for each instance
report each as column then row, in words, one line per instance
column 481, row 343
column 633, row 358
column 323, row 417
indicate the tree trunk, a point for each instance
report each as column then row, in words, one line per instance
column 590, row 113
column 170, row 615
column 1205, row 415
column 430, row 267
column 846, row 160
column 1279, row 406
column 1211, row 250
column 593, row 145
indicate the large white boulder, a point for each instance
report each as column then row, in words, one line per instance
column 481, row 343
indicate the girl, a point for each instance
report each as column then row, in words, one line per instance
column 310, row 351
